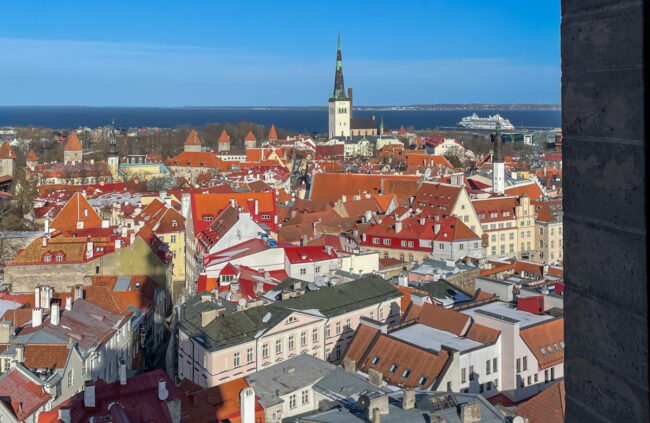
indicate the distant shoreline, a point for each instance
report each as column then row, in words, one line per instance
column 424, row 107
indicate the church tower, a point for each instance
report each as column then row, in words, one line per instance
column 498, row 166
column 340, row 105
column 113, row 155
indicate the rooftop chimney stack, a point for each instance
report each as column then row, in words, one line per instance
column 64, row 415
column 162, row 390
column 470, row 412
column 122, row 372
column 247, row 405
column 37, row 317
column 408, row 402
column 55, row 309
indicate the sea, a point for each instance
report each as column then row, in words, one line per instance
column 303, row 120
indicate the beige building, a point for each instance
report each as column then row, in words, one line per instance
column 549, row 230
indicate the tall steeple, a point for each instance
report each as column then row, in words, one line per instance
column 113, row 154
column 112, row 141
column 498, row 167
column 339, row 87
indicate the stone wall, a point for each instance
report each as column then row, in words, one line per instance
column 464, row 280
column 605, row 193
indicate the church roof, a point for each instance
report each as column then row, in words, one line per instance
column 339, row 86
column 363, row 123
column 31, row 157
column 73, row 143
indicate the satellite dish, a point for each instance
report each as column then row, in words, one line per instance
column 312, row 286
column 517, row 419
column 364, row 402
column 242, row 302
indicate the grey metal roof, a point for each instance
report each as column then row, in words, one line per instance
column 340, row 384
column 352, row 413
column 328, row 301
column 122, row 283
column 288, row 376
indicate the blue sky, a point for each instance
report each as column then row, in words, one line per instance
column 242, row 53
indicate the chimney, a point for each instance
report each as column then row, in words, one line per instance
column 257, row 207
column 46, row 296
column 47, row 226
column 185, row 205
column 78, row 292
column 418, row 299
column 105, row 223
column 44, row 241
column 375, row 377
column 37, row 317
column 89, row 394
column 377, row 405
column 6, row 330
column 408, row 402
column 207, row 316
column 436, row 228
column 37, row 296
column 247, row 405
column 55, row 313
column 118, row 244
column 375, row 415
column 398, row 226
column 124, row 231
column 162, row 390
column 68, row 304
column 64, row 415
column 470, row 412
column 162, row 194
column 122, row 372
column 349, row 365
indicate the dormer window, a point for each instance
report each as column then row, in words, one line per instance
column 174, row 223
column 59, row 257
column 47, row 258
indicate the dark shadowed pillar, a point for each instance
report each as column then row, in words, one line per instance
column 606, row 296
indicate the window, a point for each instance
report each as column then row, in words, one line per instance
column 327, row 331
column 59, row 257
column 386, row 241
column 496, row 383
column 519, row 365
column 522, row 382
column 406, row 373
column 471, row 372
column 303, row 271
column 422, row 381
column 449, row 386
column 488, row 386
column 173, row 239
column 338, row 328
column 461, row 246
column 96, row 270
column 292, row 319
column 84, row 368
column 249, row 355
column 556, row 347
column 372, row 315
column 348, row 324
column 381, row 314
column 480, row 388
column 278, row 346
column 552, row 374
column 314, row 335
column 337, row 351
column 375, row 240
column 546, row 376
column 393, row 368
column 303, row 339
column 403, row 243
column 562, row 344
column 525, row 362
column 292, row 401
column 494, row 365
column 410, row 244
column 317, row 269
column 291, row 343
column 529, row 381
column 463, row 376
column 543, row 351
column 305, row 397
column 550, row 350
column 375, row 360
column 265, row 351
column 536, row 377
column 70, row 378
column 487, row 367
column 236, row 362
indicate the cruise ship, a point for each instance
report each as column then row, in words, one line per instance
column 475, row 122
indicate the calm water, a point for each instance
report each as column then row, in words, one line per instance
column 305, row 120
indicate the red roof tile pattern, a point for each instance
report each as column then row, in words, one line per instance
column 483, row 334
column 436, row 198
column 495, row 209
column 369, row 343
column 549, row 406
column 193, row 138
column 45, row 356
column 203, row 159
column 441, row 318
column 224, row 137
column 332, row 186
column 76, row 210
column 548, row 336
column 31, row 157
column 6, row 152
column 273, row 134
column 22, row 396
column 550, row 211
column 531, row 189
column 250, row 136
column 73, row 143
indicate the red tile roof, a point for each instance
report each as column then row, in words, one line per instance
column 495, row 209
column 369, row 343
column 436, row 198
column 308, row 254
column 31, row 157
column 22, row 396
column 193, row 138
column 45, row 356
column 546, row 407
column 204, row 159
column 438, row 317
column 483, row 334
column 73, row 143
column 250, row 136
column 76, row 210
column 273, row 135
column 547, row 335
column 211, row 205
column 6, row 152
column 531, row 189
column 549, row 211
column 332, row 186
column 224, row 137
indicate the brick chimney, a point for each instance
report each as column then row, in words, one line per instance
column 470, row 412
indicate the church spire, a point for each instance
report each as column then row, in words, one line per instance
column 339, row 87
column 498, row 144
